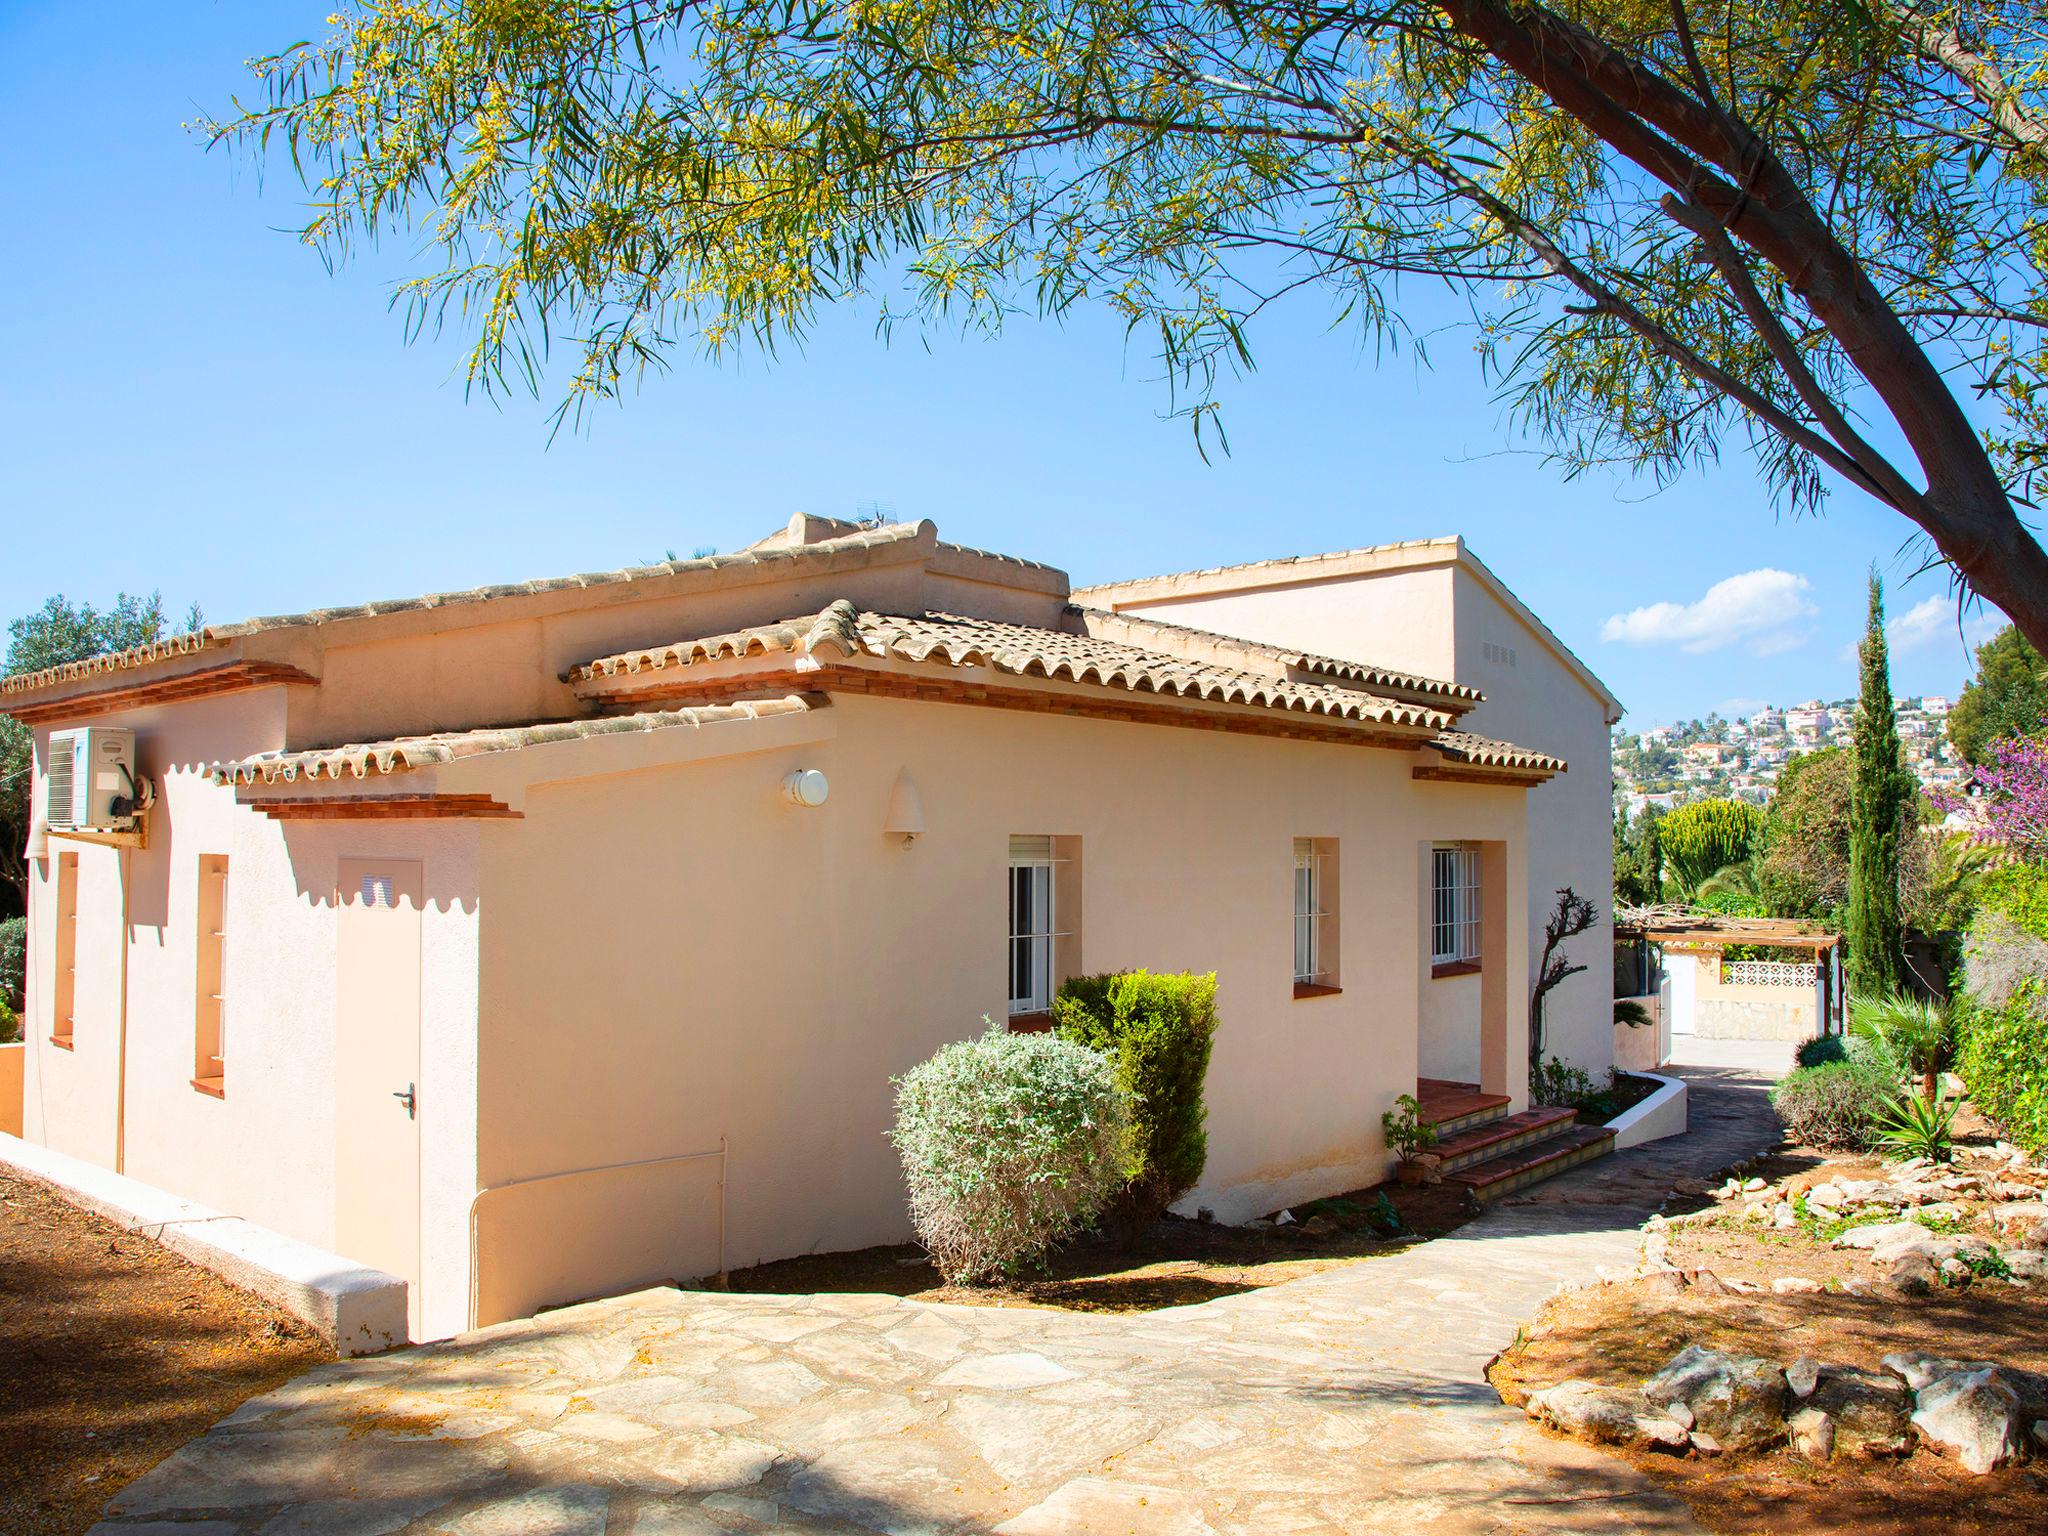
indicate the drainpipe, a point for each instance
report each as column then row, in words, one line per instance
column 121, row 1053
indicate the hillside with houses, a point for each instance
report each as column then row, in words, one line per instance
column 1741, row 759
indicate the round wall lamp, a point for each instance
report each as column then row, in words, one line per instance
column 806, row 787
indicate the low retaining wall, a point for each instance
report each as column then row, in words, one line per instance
column 1643, row 1047
column 1661, row 1114
column 1747, row 1018
column 359, row 1311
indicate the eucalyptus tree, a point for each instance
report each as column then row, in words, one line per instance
column 1812, row 229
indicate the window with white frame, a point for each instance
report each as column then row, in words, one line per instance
column 1315, row 890
column 1454, row 918
column 1032, row 928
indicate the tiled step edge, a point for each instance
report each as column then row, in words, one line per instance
column 1499, row 1137
column 1457, row 1125
column 1489, row 1181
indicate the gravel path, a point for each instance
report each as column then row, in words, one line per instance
column 1351, row 1401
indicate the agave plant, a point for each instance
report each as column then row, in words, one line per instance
column 1910, row 1036
column 1919, row 1128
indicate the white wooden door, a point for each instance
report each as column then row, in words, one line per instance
column 377, row 1069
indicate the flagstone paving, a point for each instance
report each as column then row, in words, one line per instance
column 1350, row 1401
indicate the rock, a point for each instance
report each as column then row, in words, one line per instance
column 1943, row 1210
column 1973, row 1416
column 1656, row 1249
column 1661, row 1282
column 1749, row 1186
column 1784, row 1216
column 1881, row 1232
column 1705, row 1443
column 1917, row 1370
column 1679, row 1414
column 1738, row 1399
column 1956, row 1273
column 1861, row 1191
column 1871, row 1411
column 1913, row 1275
column 1935, row 1250
column 2027, row 1263
column 1742, row 1287
column 1319, row 1226
column 1707, row 1283
column 1912, row 1165
column 1803, row 1374
column 1605, row 1416
column 1794, row 1285
column 1284, row 1219
column 1813, row 1435
column 1827, row 1196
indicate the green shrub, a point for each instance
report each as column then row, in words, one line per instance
column 1407, row 1133
column 13, row 960
column 1009, row 1143
column 2018, row 892
column 1559, row 1083
column 1821, row 1050
column 1836, row 1105
column 1158, row 1029
column 10, row 1023
column 2002, row 1058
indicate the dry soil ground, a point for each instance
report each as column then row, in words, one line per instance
column 114, row 1352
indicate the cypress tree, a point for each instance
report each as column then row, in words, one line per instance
column 1880, row 796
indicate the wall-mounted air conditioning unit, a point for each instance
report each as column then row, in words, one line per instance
column 91, row 783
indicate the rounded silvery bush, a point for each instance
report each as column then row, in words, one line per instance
column 1009, row 1143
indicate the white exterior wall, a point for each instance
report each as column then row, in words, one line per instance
column 265, row 1150
column 677, row 956
column 1538, row 701
column 1435, row 617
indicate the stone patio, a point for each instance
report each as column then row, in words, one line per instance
column 1351, row 1401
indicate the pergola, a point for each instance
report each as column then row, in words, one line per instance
column 1678, row 928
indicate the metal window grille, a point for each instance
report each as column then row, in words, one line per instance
column 1309, row 911
column 1031, row 924
column 1455, row 917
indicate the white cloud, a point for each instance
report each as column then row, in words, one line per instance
column 1922, row 624
column 1767, row 610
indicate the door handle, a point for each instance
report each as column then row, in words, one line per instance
column 409, row 1100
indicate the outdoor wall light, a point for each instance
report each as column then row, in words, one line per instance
column 806, row 787
column 906, row 811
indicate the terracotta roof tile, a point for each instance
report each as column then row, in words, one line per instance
column 359, row 760
column 1024, row 651
column 221, row 634
column 1483, row 752
column 1453, row 696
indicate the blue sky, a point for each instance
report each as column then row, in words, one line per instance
column 189, row 401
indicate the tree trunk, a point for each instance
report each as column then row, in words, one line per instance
column 1713, row 162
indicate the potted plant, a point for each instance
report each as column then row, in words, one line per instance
column 1409, row 1137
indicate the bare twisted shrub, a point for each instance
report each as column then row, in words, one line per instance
column 1009, row 1143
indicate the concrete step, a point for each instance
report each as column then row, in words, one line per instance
column 1497, row 1138
column 1454, row 1108
column 1545, row 1159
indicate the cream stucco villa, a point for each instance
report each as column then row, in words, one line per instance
column 589, row 962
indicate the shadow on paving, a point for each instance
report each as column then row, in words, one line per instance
column 1352, row 1400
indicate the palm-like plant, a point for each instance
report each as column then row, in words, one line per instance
column 1919, row 1128
column 1910, row 1035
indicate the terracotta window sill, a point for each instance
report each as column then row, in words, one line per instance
column 62, row 1042
column 1454, row 968
column 1030, row 1023
column 1316, row 989
column 211, row 1085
